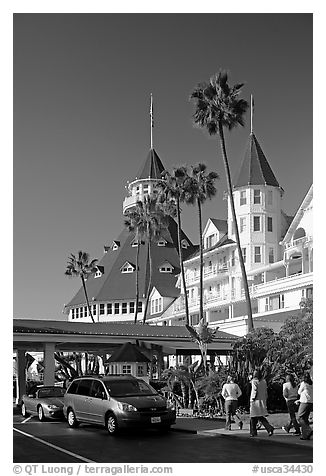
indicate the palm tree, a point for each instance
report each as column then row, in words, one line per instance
column 82, row 267
column 203, row 336
column 173, row 189
column 198, row 188
column 135, row 223
column 218, row 106
column 152, row 220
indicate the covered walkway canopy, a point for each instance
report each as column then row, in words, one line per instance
column 53, row 336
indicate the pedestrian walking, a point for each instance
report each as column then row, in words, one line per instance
column 231, row 392
column 290, row 393
column 305, row 406
column 258, row 408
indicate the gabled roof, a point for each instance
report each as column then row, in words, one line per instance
column 255, row 170
column 114, row 285
column 225, row 240
column 221, row 225
column 152, row 168
column 128, row 353
column 298, row 216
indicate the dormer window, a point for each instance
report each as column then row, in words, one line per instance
column 166, row 267
column 115, row 245
column 184, row 244
column 161, row 242
column 127, row 268
column 106, row 249
column 135, row 243
column 99, row 272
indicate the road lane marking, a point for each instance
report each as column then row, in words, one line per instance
column 26, row 419
column 55, row 447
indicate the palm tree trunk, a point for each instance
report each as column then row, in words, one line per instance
column 201, row 280
column 237, row 236
column 181, row 262
column 86, row 296
column 149, row 280
column 137, row 281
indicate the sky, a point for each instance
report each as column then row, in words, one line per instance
column 81, row 126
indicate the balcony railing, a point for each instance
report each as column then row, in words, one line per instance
column 298, row 242
column 210, row 271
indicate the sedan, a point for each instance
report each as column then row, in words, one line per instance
column 45, row 402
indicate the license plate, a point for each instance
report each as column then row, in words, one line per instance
column 155, row 419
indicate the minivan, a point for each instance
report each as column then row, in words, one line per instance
column 117, row 402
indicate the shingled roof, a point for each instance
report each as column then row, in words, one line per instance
column 128, row 353
column 255, row 170
column 115, row 285
column 152, row 168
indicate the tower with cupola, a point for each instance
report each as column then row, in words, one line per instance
column 257, row 197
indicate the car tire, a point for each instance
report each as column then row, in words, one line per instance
column 24, row 412
column 71, row 419
column 111, row 424
column 40, row 413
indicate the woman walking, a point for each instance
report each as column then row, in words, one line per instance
column 290, row 393
column 305, row 392
column 258, row 408
column 231, row 392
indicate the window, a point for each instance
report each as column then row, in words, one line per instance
column 124, row 308
column 209, row 241
column 77, row 312
column 101, row 308
column 257, row 254
column 257, row 197
column 242, row 224
column 256, row 223
column 271, row 255
column 94, row 309
column 84, row 387
column 244, row 254
column 73, row 387
column 243, row 197
column 98, row 274
column 269, row 223
column 161, row 242
column 127, row 268
column 282, row 301
column 140, row 370
column 115, row 245
column 81, row 312
column 266, row 304
column 184, row 244
column 116, row 308
column 72, row 313
column 109, row 308
column 232, row 228
column 126, row 369
column 85, row 311
column 134, row 244
column 97, row 390
column 270, row 197
column 233, row 258
column 140, row 307
column 131, row 307
column 166, row 268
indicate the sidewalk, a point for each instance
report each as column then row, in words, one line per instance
column 215, row 428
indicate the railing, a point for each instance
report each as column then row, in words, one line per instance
column 298, row 242
column 208, row 272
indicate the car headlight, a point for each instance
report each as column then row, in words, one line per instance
column 53, row 407
column 125, row 407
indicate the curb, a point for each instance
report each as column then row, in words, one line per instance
column 246, row 436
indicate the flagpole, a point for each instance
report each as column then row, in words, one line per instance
column 151, row 116
column 251, row 114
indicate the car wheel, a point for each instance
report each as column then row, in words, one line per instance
column 71, row 418
column 112, row 424
column 40, row 413
column 24, row 412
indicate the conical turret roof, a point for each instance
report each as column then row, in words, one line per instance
column 152, row 168
column 255, row 170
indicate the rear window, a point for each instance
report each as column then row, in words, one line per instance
column 128, row 388
column 51, row 392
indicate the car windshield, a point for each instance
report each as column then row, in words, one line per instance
column 126, row 388
column 51, row 392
